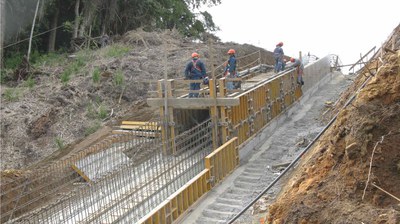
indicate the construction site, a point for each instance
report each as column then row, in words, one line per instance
column 272, row 151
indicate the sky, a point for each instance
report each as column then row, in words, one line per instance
column 347, row 28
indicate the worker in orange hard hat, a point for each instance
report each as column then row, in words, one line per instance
column 298, row 65
column 284, row 61
column 278, row 55
column 195, row 70
column 230, row 70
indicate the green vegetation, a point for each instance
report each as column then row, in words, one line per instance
column 92, row 129
column 102, row 112
column 119, row 78
column 117, row 50
column 30, row 82
column 59, row 143
column 12, row 94
column 66, row 76
column 97, row 111
column 96, row 75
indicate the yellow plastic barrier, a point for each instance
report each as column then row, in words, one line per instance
column 180, row 201
column 223, row 160
column 218, row 164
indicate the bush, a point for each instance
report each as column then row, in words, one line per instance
column 13, row 61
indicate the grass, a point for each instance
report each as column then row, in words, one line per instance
column 92, row 129
column 102, row 112
column 66, row 76
column 119, row 78
column 97, row 113
column 59, row 143
column 96, row 75
column 30, row 82
column 116, row 50
column 12, row 94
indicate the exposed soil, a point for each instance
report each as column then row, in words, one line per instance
column 52, row 119
column 338, row 180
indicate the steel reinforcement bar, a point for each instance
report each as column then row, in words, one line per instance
column 218, row 164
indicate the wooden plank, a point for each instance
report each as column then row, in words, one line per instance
column 137, row 133
column 193, row 103
column 136, row 127
column 135, row 122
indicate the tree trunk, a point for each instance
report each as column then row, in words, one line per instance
column 76, row 23
column 2, row 30
column 53, row 33
column 33, row 27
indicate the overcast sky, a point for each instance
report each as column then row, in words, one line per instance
column 347, row 28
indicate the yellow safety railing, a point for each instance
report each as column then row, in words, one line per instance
column 218, row 165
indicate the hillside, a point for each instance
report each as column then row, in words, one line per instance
column 353, row 174
column 74, row 100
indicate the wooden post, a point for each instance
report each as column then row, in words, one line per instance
column 224, row 119
column 213, row 94
column 171, row 88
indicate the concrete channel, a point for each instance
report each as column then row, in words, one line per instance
column 259, row 158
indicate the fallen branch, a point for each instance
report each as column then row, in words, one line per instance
column 398, row 199
column 370, row 163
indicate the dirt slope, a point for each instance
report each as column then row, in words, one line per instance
column 336, row 181
column 49, row 120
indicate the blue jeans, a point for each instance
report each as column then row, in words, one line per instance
column 278, row 65
column 194, row 86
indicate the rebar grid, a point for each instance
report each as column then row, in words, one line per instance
column 130, row 190
column 34, row 189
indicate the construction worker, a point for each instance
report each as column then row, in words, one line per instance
column 283, row 64
column 298, row 65
column 195, row 70
column 230, row 70
column 278, row 55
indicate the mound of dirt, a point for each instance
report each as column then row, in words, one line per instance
column 353, row 174
column 52, row 119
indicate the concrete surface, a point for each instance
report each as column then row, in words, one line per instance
column 275, row 145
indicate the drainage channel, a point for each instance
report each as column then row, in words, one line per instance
column 259, row 166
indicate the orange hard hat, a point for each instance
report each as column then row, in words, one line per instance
column 292, row 59
column 231, row 51
column 195, row 55
column 280, row 44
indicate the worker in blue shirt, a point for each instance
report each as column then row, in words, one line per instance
column 298, row 65
column 195, row 70
column 278, row 55
column 230, row 70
